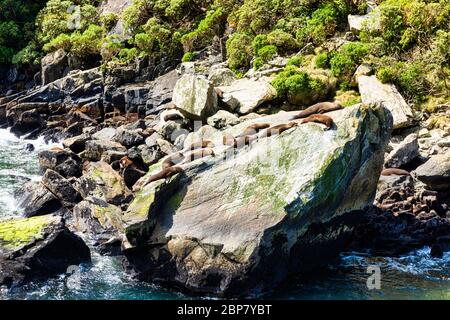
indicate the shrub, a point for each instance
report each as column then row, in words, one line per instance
column 295, row 61
column 109, row 21
column 284, row 41
column 188, row 56
column 258, row 42
column 291, row 81
column 346, row 60
column 239, row 51
column 127, row 55
column 323, row 60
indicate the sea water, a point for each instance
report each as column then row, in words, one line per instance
column 412, row 276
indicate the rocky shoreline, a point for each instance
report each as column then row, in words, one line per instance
column 234, row 220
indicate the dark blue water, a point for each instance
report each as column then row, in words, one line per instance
column 413, row 276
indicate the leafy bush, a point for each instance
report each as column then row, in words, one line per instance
column 284, row 41
column 346, row 60
column 239, row 51
column 188, row 56
column 323, row 60
column 291, row 81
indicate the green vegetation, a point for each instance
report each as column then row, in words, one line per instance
column 410, row 49
column 16, row 233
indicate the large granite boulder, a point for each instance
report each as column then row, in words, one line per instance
column 435, row 173
column 373, row 91
column 245, row 219
column 34, row 199
column 248, row 93
column 37, row 247
column 195, row 97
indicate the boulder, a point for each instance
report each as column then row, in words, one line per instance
column 60, row 187
column 162, row 90
column 149, row 155
column 128, row 138
column 34, row 199
column 370, row 21
column 205, row 132
column 227, row 224
column 63, row 161
column 105, row 134
column 77, row 144
column 96, row 216
column 37, row 247
column 195, row 97
column 223, row 119
column 96, row 148
column 249, row 93
column 28, row 121
column 373, row 91
column 101, row 181
column 222, row 77
column 54, row 66
column 403, row 153
column 435, row 173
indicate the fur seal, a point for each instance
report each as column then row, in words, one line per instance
column 125, row 162
column 165, row 174
column 172, row 116
column 394, row 172
column 219, row 92
column 319, row 118
column 200, row 153
column 254, row 128
column 321, row 107
column 278, row 129
column 201, row 144
column 173, row 159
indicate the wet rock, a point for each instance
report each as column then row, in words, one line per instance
column 436, row 251
column 103, row 182
column 195, row 97
column 96, row 148
column 37, row 247
column 60, row 187
column 403, row 153
column 28, row 121
column 34, row 199
column 65, row 162
column 435, row 173
column 29, row 147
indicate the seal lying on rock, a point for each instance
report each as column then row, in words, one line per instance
column 165, row 174
column 320, row 107
column 254, row 128
column 319, row 118
column 278, row 129
column 172, row 160
column 394, row 172
column 172, row 116
column 200, row 153
column 200, row 145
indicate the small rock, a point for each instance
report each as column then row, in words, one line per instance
column 223, row 119
column 435, row 173
column 60, row 187
column 104, row 134
column 96, row 148
column 403, row 153
column 128, row 138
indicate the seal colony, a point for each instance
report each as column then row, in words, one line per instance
column 171, row 165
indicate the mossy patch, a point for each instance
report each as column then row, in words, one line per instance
column 16, row 233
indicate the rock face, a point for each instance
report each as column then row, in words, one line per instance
column 54, row 66
column 249, row 94
column 243, row 220
column 195, row 97
column 373, row 91
column 35, row 199
column 39, row 246
column 435, row 173
column 101, row 181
